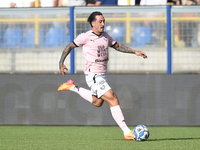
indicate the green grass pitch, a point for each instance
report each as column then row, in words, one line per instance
column 95, row 138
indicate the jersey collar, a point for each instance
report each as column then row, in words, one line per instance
column 97, row 34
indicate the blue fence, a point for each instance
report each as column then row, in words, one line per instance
column 169, row 56
column 72, row 64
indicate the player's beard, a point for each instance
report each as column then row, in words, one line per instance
column 102, row 29
column 99, row 30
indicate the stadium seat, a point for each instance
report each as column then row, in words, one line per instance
column 12, row 37
column 142, row 36
column 55, row 37
column 118, row 34
column 29, row 38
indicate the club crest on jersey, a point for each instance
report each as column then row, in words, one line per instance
column 102, row 51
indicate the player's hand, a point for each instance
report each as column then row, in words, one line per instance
column 142, row 54
column 62, row 69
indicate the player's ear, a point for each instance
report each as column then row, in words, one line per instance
column 92, row 23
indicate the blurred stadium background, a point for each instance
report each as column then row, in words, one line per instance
column 31, row 43
column 31, row 40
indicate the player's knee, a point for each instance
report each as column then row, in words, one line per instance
column 97, row 104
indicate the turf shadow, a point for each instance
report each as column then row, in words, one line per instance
column 173, row 139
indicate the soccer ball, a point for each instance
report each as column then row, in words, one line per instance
column 141, row 133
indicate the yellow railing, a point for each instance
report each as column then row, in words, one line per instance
column 37, row 20
column 37, row 3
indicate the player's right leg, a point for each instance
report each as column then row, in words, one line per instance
column 70, row 85
column 84, row 93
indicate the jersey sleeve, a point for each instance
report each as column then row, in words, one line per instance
column 80, row 40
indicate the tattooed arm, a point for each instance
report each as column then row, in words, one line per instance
column 66, row 52
column 125, row 49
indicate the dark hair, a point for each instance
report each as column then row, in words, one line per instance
column 92, row 17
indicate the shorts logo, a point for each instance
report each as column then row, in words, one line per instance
column 102, row 86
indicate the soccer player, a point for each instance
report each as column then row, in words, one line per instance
column 95, row 45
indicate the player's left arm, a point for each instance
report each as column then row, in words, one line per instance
column 125, row 49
